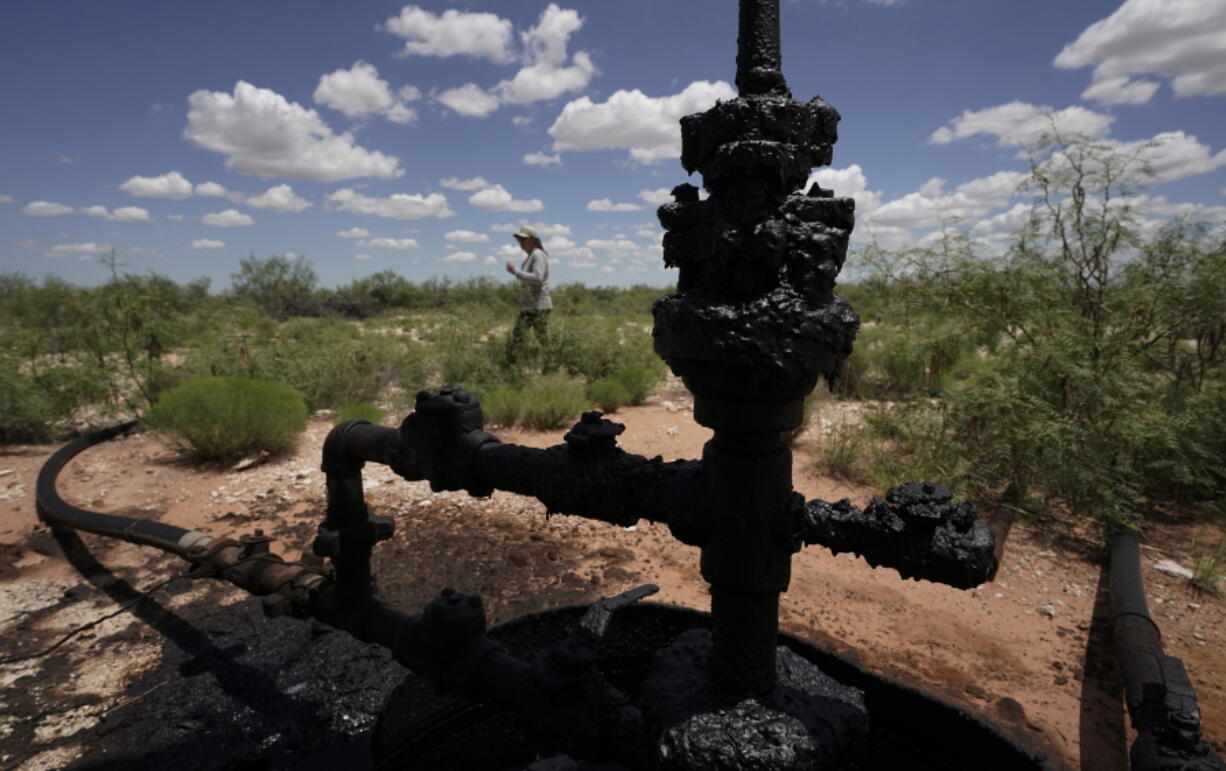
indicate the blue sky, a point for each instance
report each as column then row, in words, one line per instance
column 375, row 135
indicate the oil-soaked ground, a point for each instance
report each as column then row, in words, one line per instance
column 236, row 690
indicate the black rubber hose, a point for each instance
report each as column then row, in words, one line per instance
column 53, row 510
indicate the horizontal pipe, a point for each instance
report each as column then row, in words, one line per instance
column 615, row 487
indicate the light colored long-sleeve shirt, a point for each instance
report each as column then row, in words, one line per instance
column 533, row 277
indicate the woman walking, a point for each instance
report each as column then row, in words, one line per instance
column 533, row 276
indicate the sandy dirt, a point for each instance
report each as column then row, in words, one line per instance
column 1028, row 651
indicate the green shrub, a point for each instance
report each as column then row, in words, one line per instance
column 277, row 285
column 25, row 410
column 360, row 411
column 637, row 380
column 608, row 394
column 500, row 405
column 225, row 418
column 550, row 402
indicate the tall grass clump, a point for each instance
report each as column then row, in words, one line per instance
column 226, row 418
column 638, row 381
column 608, row 394
column 551, row 401
column 840, row 452
column 500, row 405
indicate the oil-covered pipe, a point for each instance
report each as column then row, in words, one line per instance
column 1138, row 641
column 446, row 642
column 1157, row 691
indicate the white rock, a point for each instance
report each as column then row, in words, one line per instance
column 1048, row 610
column 672, row 431
column 1172, row 568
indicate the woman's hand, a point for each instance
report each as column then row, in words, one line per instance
column 510, row 268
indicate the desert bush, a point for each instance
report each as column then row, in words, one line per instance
column 637, row 380
column 26, row 411
column 608, row 394
column 276, row 285
column 551, row 401
column 1100, row 389
column 225, row 418
column 500, row 405
column 371, row 413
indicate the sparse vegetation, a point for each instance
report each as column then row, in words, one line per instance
column 226, row 418
column 1082, row 367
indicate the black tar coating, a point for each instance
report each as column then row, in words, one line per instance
column 236, row 690
column 755, row 317
column 919, row 532
column 812, row 721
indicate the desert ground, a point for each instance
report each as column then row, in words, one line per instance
column 192, row 675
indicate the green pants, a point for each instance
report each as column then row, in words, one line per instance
column 535, row 320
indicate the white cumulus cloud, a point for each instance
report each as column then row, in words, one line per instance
column 547, row 71
column 604, row 204
column 1173, row 155
column 545, row 229
column 263, row 134
column 469, row 100
column 931, row 206
column 280, row 198
column 208, row 243
column 542, row 82
column 45, row 209
column 453, row 33
column 359, row 92
column 497, row 198
column 542, row 159
column 455, row 183
column 848, row 183
column 657, row 197
column 401, row 206
column 83, row 251
column 467, row 237
column 648, row 127
column 1184, row 40
column 211, row 190
column 1021, row 123
column 390, row 243
column 1120, row 90
column 353, row 233
column 5, row 198
column 122, row 214
column 460, row 257
column 170, row 185
column 230, row 218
